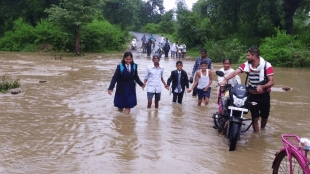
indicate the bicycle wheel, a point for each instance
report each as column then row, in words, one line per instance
column 234, row 134
column 281, row 164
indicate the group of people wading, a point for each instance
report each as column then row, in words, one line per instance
column 258, row 70
column 164, row 47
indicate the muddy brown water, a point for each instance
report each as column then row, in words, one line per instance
column 69, row 124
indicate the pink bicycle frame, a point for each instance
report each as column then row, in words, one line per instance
column 291, row 146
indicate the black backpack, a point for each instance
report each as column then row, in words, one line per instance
column 167, row 46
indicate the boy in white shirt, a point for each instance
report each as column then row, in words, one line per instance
column 153, row 76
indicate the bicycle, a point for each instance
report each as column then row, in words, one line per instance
column 292, row 158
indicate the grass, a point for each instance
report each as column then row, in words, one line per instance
column 192, row 54
column 7, row 83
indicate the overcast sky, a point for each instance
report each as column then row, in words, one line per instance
column 170, row 4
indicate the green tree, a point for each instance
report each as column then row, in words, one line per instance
column 30, row 11
column 192, row 27
column 296, row 10
column 151, row 11
column 71, row 15
column 181, row 5
column 290, row 7
column 167, row 23
column 124, row 13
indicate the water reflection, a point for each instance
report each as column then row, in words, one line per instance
column 125, row 142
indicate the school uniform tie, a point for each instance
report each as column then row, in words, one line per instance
column 179, row 82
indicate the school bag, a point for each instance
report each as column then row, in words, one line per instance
column 121, row 67
column 167, row 46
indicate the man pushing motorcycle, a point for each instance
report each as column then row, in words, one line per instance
column 260, row 80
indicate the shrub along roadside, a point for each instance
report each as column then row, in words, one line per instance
column 97, row 36
column 101, row 36
column 281, row 50
column 285, row 50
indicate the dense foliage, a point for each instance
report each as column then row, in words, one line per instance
column 289, row 52
column 225, row 27
column 100, row 36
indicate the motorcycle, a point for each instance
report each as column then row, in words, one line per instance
column 233, row 105
column 160, row 50
column 133, row 44
column 179, row 53
column 144, row 44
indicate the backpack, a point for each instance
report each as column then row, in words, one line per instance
column 121, row 67
column 167, row 46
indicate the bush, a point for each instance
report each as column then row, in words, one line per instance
column 304, row 36
column 229, row 48
column 150, row 28
column 100, row 36
column 95, row 36
column 49, row 36
column 19, row 38
column 25, row 37
column 166, row 27
column 284, row 50
column 7, row 83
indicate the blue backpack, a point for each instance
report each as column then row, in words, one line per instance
column 121, row 67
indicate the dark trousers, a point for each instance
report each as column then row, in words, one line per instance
column 178, row 96
column 195, row 91
column 166, row 53
column 148, row 50
column 262, row 108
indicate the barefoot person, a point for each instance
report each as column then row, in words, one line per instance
column 153, row 78
column 196, row 67
column 179, row 81
column 233, row 81
column 125, row 75
column 203, row 81
column 260, row 74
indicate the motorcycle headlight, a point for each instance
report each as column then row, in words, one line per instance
column 239, row 102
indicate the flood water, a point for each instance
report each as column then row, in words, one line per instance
column 69, row 124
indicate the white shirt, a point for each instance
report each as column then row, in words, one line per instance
column 162, row 40
column 203, row 81
column 232, row 81
column 128, row 67
column 173, row 48
column 176, row 90
column 153, row 76
column 184, row 48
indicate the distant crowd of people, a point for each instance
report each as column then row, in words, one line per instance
column 126, row 76
column 164, row 47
